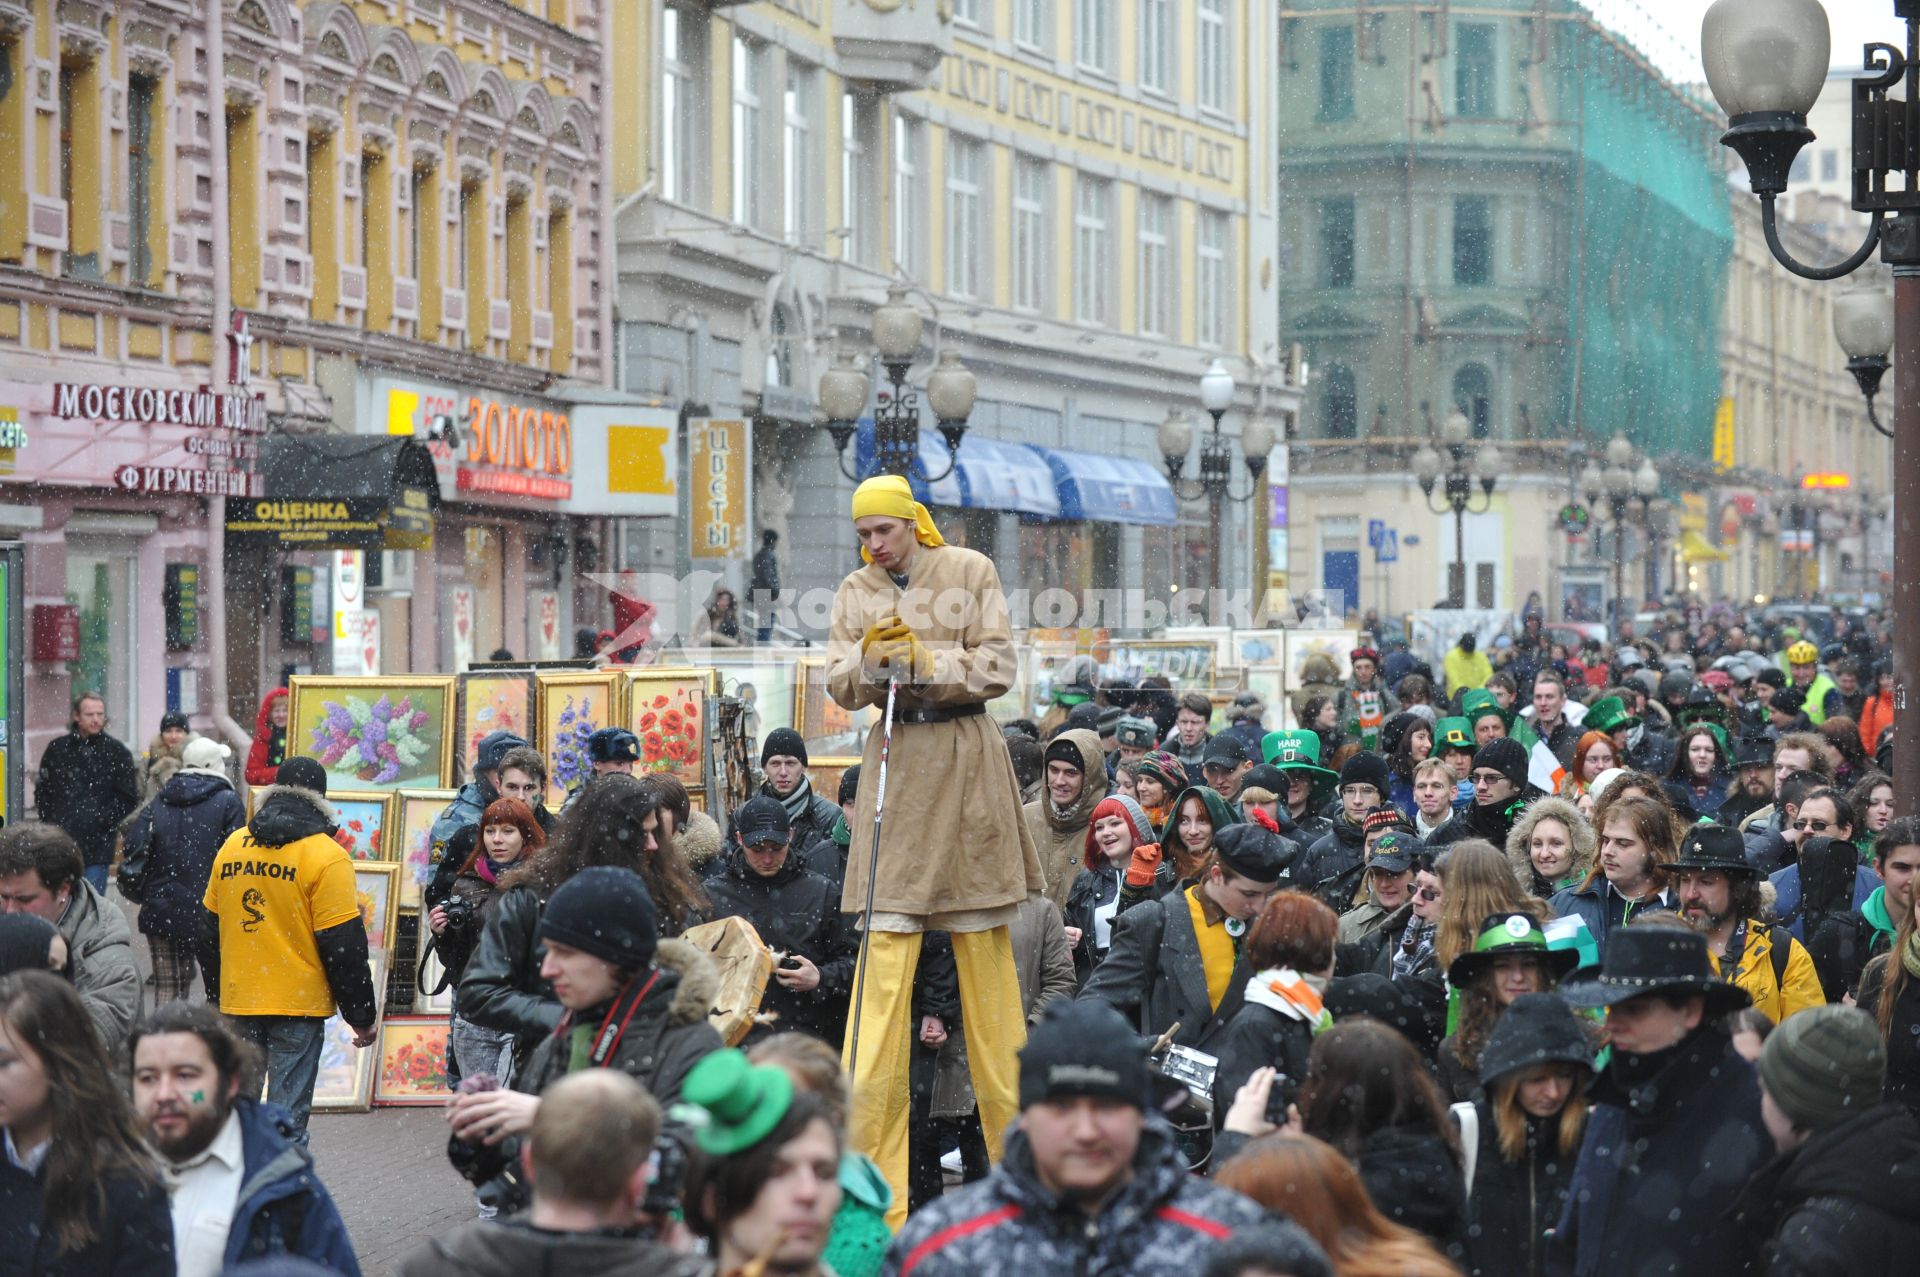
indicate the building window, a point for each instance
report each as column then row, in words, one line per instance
column 79, row 161
column 1472, row 240
column 1093, row 251
column 1473, row 72
column 749, row 74
column 1336, row 243
column 1213, row 285
column 142, row 93
column 1093, row 34
column 909, row 207
column 798, row 167
column 967, row 12
column 1473, row 395
column 966, row 165
column 1215, row 69
column 1033, row 23
column 14, row 113
column 462, row 231
column 1032, row 186
column 683, row 45
column 323, row 223
column 1336, row 74
column 474, row 245
column 420, row 193
column 1155, row 213
column 243, row 206
column 1339, row 404
column 560, row 273
column 1156, row 45
column 859, row 212
column 1829, row 165
column 369, row 164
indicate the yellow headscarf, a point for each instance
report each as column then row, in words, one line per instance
column 890, row 496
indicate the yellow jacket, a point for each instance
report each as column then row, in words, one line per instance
column 1797, row 989
column 1464, row 671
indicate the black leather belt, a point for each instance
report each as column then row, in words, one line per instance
column 938, row 715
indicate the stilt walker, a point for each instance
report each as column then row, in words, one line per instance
column 921, row 632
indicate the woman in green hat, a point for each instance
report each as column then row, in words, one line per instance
column 1509, row 959
column 1297, row 755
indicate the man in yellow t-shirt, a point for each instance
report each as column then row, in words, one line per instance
column 290, row 944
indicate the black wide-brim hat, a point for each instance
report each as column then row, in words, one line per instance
column 1644, row 960
column 1714, row 847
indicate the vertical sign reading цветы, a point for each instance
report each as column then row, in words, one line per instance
column 717, row 462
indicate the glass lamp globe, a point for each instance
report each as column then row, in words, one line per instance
column 951, row 389
column 896, row 327
column 843, row 388
column 1487, row 465
column 1426, row 464
column 1619, row 451
column 1256, row 439
column 1646, row 480
column 1216, row 388
column 1863, row 321
column 1175, row 436
column 1765, row 55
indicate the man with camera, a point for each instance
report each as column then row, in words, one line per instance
column 590, row 1211
column 797, row 913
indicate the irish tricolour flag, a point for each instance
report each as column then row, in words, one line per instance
column 1544, row 771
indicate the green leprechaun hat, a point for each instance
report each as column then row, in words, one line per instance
column 1299, row 751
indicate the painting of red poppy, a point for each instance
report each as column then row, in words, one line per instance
column 363, row 819
column 669, row 715
column 413, row 1061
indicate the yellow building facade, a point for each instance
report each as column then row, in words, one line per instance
column 1077, row 195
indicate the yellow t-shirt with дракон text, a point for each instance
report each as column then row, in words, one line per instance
column 270, row 901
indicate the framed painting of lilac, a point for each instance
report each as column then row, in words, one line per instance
column 573, row 706
column 379, row 734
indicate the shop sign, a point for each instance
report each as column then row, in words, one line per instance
column 13, row 436
column 148, row 405
column 717, row 465
column 367, row 523
column 56, row 632
column 1826, row 481
column 483, row 446
column 180, row 597
column 188, row 481
column 1724, row 456
column 296, row 605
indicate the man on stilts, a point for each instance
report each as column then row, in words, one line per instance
column 928, row 621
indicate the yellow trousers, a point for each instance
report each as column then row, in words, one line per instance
column 996, row 1028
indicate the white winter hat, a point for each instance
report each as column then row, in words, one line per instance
column 205, row 756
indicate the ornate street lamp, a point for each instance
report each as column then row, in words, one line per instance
column 1621, row 484
column 1766, row 62
column 1863, row 325
column 1460, row 472
column 845, row 386
column 1175, row 438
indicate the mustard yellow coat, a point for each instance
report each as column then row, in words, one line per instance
column 1775, row 999
column 954, row 841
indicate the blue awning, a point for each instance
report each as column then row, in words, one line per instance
column 1110, row 489
column 932, row 460
column 1006, row 476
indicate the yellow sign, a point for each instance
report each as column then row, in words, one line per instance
column 1826, row 481
column 1693, row 512
column 717, row 462
column 1723, row 457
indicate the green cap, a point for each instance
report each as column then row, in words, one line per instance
column 1453, row 733
column 1490, row 708
column 742, row 1102
column 1609, row 715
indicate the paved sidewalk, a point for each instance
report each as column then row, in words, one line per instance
column 388, row 1172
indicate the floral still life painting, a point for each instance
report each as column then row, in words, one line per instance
column 413, row 1061
column 375, row 733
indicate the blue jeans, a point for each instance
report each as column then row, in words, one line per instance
column 97, row 875
column 291, row 1044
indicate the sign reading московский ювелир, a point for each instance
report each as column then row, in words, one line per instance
column 213, row 410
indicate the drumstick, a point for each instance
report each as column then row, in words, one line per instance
column 1165, row 1040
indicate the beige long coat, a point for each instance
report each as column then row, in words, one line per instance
column 955, row 854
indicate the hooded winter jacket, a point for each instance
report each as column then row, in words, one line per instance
column 133, row 1227
column 87, row 785
column 1514, row 1204
column 1414, row 1179
column 283, row 1208
column 1520, row 838
column 795, row 912
column 269, row 748
column 1672, row 1140
column 1332, row 867
column 1491, row 821
column 515, row 1248
column 289, row 938
column 1841, row 1204
column 1061, row 836
column 100, row 962
column 1163, row 1220
column 181, row 832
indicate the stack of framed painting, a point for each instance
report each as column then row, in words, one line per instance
column 666, row 708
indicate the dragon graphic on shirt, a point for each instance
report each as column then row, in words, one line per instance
column 250, row 904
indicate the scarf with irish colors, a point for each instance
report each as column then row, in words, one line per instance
column 1291, row 994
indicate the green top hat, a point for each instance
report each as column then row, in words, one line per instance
column 1453, row 733
column 1609, row 715
column 1299, row 751
column 743, row 1102
column 1505, row 935
column 1479, row 704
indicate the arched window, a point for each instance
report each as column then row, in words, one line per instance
column 1339, row 405
column 1473, row 395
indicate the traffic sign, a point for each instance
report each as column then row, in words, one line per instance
column 1388, row 549
column 1376, row 530
column 1574, row 518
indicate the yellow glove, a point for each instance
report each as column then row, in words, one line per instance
column 886, row 629
column 905, row 658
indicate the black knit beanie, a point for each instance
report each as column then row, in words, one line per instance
column 604, row 911
column 784, row 742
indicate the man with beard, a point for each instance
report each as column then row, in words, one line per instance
column 241, row 1188
column 1499, row 779
column 1076, row 781
column 1720, row 898
column 1752, row 781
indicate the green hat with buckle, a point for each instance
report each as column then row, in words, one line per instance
column 1479, row 704
column 1505, row 935
column 1609, row 715
column 1299, row 751
column 1453, row 733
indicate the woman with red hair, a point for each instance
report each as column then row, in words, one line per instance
column 509, row 832
column 1117, row 826
column 1594, row 754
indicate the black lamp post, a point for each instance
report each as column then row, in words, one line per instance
column 1175, row 437
column 1621, row 484
column 845, row 386
column 1766, row 62
column 1458, row 472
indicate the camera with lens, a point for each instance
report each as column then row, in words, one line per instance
column 668, row 1169
column 459, row 913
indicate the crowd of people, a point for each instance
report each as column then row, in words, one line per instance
column 1546, row 962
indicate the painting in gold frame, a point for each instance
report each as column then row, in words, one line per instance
column 387, row 733
column 410, row 835
column 365, row 824
column 493, row 701
column 825, row 727
column 376, row 891
column 573, row 706
column 667, row 711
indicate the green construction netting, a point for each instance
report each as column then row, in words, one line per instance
column 1647, row 279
